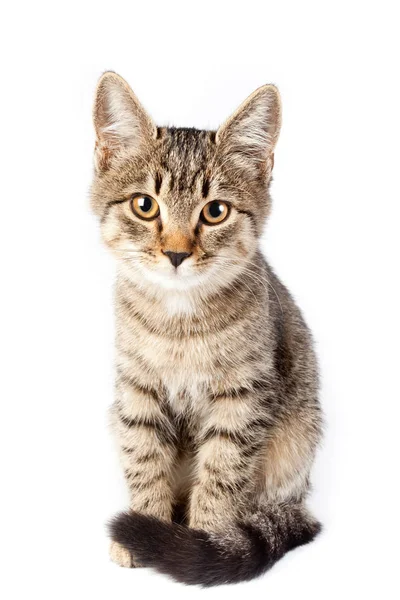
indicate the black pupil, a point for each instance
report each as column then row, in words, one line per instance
column 145, row 204
column 215, row 210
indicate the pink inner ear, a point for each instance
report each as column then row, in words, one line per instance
column 102, row 156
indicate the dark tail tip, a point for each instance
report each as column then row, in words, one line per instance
column 196, row 557
column 184, row 554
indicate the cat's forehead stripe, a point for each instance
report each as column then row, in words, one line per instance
column 186, row 155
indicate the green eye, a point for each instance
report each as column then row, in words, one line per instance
column 214, row 212
column 144, row 207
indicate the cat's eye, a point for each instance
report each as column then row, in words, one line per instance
column 144, row 207
column 214, row 212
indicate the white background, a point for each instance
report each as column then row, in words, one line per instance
column 333, row 239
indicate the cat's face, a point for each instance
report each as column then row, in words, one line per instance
column 182, row 208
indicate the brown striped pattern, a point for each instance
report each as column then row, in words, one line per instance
column 216, row 380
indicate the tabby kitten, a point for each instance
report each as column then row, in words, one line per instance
column 216, row 411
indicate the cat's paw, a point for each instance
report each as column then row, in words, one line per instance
column 120, row 555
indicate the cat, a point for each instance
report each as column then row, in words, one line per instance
column 216, row 413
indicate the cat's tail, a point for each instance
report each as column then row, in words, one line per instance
column 193, row 556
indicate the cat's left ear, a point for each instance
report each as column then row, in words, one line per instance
column 120, row 120
column 251, row 133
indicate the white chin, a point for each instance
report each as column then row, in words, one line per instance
column 172, row 280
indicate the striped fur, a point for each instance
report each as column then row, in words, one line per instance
column 216, row 412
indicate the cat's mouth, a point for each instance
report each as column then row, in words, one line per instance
column 208, row 271
column 164, row 274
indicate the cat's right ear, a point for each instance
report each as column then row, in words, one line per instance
column 120, row 120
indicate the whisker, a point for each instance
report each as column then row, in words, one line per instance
column 252, row 274
column 139, row 254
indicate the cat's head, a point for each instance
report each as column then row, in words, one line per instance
column 182, row 208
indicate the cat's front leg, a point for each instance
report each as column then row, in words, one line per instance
column 227, row 461
column 147, row 445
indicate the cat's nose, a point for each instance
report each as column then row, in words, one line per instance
column 177, row 258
